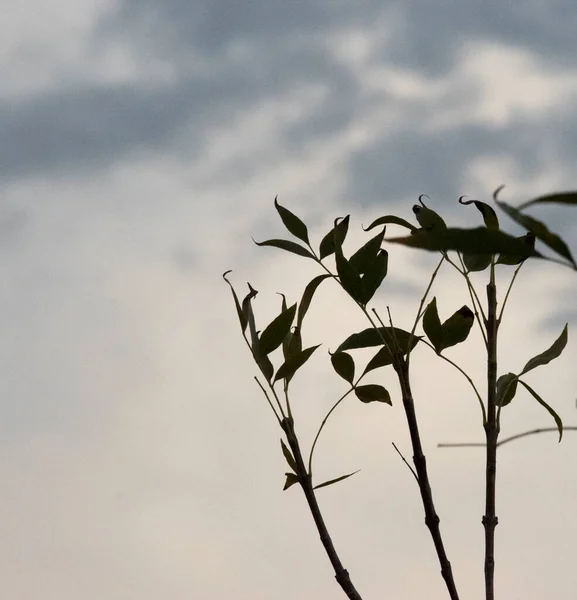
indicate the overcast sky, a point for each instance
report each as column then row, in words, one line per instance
column 142, row 146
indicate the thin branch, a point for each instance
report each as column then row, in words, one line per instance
column 505, row 440
column 405, row 461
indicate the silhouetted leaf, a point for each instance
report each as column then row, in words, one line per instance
column 344, row 365
column 266, row 367
column 392, row 220
column 288, row 456
column 477, row 262
column 550, row 410
column 509, row 259
column 291, row 479
column 374, row 337
column 331, row 481
column 308, row 296
column 374, row 276
column 362, row 259
column 540, row 231
column 428, row 219
column 337, row 234
column 292, row 344
column 432, row 325
column 273, row 335
column 373, row 393
column 548, row 355
column 241, row 316
column 489, row 215
column 288, row 246
column 294, row 363
column 506, row 388
column 559, row 198
column 349, row 278
column 292, row 222
column 475, row 241
column 457, row 327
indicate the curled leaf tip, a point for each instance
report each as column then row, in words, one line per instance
column 423, row 196
column 498, row 191
column 225, row 274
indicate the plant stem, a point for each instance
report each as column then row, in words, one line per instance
column 431, row 518
column 341, row 574
column 490, row 519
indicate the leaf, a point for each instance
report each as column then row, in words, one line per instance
column 308, row 296
column 337, row 234
column 291, row 479
column 246, row 304
column 384, row 357
column 558, row 198
column 548, row 355
column 294, row 363
column 457, row 327
column 428, row 219
column 344, row 366
column 331, row 481
column 374, row 276
column 393, row 220
column 476, row 241
column 489, row 215
column 241, row 317
column 274, row 333
column 506, row 388
column 477, row 262
column 292, row 344
column 362, row 259
column 266, row 367
column 516, row 259
column 432, row 325
column 373, row 393
column 550, row 410
column 288, row 456
column 292, row 222
column 349, row 278
column 374, row 337
column 540, row 231
column 288, row 246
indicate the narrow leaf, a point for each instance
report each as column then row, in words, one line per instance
column 331, row 481
column 274, row 333
column 308, row 294
column 291, row 479
column 292, row 344
column 241, row 316
column 476, row 241
column 362, row 259
column 344, row 365
column 265, row 365
column 550, row 354
column 288, row 456
column 457, row 327
column 432, row 325
column 349, row 278
column 540, row 231
column 294, row 363
column 374, row 337
column 373, row 393
column 292, row 222
column 374, row 276
column 286, row 245
column 506, row 388
column 489, row 215
column 336, row 236
column 393, row 220
column 549, row 409
column 559, row 198
column 384, row 357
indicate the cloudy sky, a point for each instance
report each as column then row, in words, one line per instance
column 142, row 145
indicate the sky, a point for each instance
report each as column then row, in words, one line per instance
column 143, row 144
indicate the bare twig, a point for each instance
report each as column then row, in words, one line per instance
column 405, row 461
